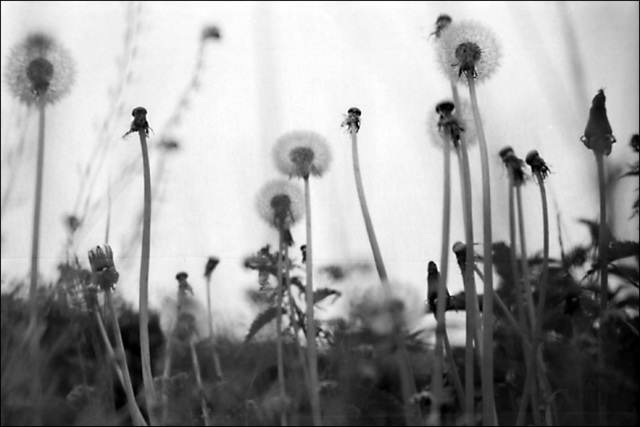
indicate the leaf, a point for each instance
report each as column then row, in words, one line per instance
column 323, row 293
column 263, row 318
column 623, row 249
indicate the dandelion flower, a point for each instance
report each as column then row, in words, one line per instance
column 105, row 274
column 280, row 203
column 39, row 69
column 302, row 153
column 469, row 48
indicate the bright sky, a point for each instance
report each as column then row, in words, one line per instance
column 282, row 66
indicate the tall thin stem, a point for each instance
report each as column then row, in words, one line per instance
column 34, row 337
column 311, row 326
column 216, row 359
column 488, row 407
column 134, row 411
column 196, row 370
column 279, row 351
column 147, row 375
column 406, row 377
column 436, row 381
column 603, row 244
column 469, row 283
column 524, row 260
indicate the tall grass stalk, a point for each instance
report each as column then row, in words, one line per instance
column 406, row 377
column 136, row 416
column 489, row 411
column 312, row 354
column 279, row 350
column 147, row 375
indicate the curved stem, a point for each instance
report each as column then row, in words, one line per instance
column 279, row 352
column 489, row 411
column 311, row 325
column 147, row 375
column 136, row 416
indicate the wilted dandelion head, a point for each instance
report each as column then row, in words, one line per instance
column 280, row 203
column 450, row 122
column 103, row 267
column 302, row 153
column 514, row 165
column 39, row 69
column 469, row 48
column 537, row 163
column 442, row 23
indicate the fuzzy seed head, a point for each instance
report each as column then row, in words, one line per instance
column 469, row 48
column 38, row 69
column 302, row 153
column 280, row 203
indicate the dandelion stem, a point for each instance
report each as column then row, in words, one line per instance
column 436, row 381
column 311, row 326
column 279, row 354
column 136, row 416
column 469, row 283
column 294, row 320
column 147, row 375
column 216, row 359
column 34, row 336
column 196, row 370
column 406, row 377
column 488, row 407
column 603, row 260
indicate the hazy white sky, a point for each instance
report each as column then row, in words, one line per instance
column 282, row 66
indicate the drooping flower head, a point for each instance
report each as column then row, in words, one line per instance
column 104, row 271
column 469, row 48
column 598, row 135
column 452, row 122
column 302, row 153
column 514, row 164
column 39, row 69
column 280, row 203
column 211, row 265
column 537, row 163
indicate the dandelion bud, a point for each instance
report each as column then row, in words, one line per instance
column 212, row 263
column 352, row 119
column 598, row 135
column 442, row 23
column 211, row 32
column 183, row 285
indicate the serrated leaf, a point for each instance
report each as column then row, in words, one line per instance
column 259, row 322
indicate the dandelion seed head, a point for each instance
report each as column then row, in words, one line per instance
column 280, row 203
column 39, row 69
column 537, row 163
column 469, row 48
column 302, row 153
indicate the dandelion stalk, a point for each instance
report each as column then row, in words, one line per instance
column 141, row 126
column 196, row 370
column 212, row 263
column 134, row 411
column 406, row 377
column 279, row 351
column 311, row 326
column 598, row 137
column 280, row 205
column 436, row 381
